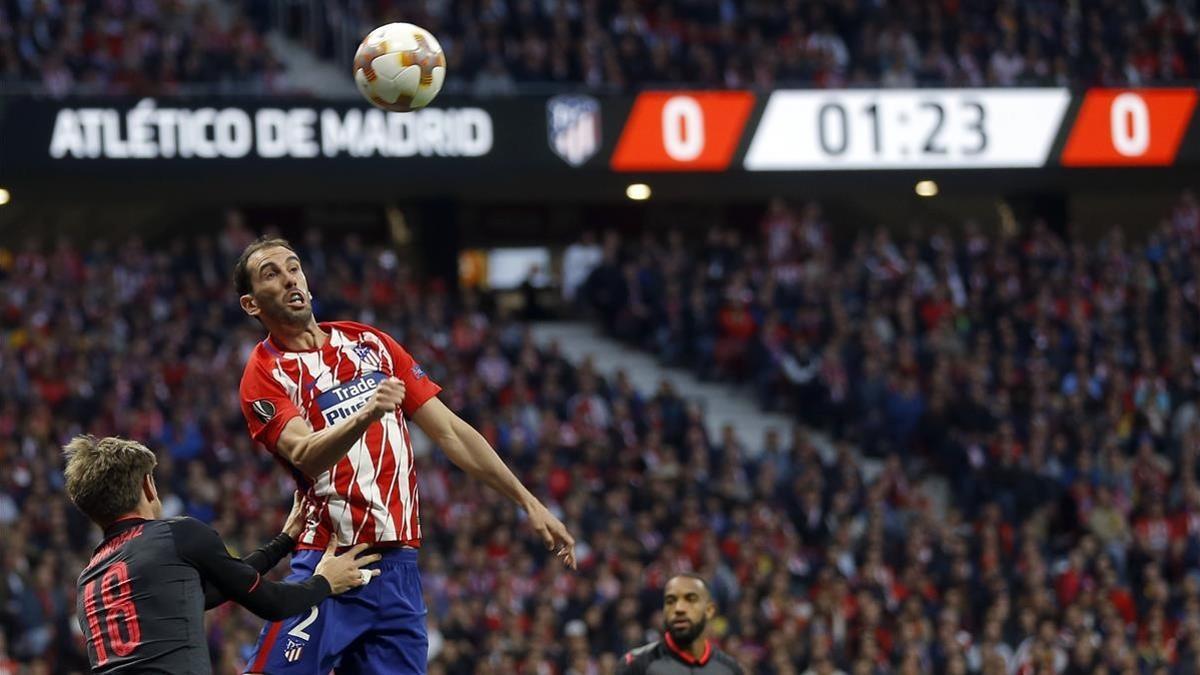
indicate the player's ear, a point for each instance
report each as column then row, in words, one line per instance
column 710, row 610
column 149, row 489
column 249, row 306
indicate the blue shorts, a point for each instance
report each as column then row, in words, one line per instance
column 377, row 628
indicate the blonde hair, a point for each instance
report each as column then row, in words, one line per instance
column 104, row 476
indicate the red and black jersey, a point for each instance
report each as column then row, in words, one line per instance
column 665, row 658
column 141, row 598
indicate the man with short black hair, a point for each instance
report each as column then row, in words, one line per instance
column 687, row 608
column 332, row 401
column 141, row 598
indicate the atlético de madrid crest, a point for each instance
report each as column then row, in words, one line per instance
column 573, row 126
column 293, row 651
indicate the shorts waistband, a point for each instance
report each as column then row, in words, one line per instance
column 387, row 554
column 394, row 553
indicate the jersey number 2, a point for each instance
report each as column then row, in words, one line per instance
column 299, row 631
column 112, row 596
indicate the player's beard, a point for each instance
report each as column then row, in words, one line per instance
column 281, row 313
column 685, row 638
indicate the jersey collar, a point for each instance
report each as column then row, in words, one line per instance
column 687, row 657
column 121, row 524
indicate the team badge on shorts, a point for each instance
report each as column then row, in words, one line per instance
column 293, row 651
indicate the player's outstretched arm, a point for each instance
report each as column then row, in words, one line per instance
column 315, row 452
column 471, row 452
column 261, row 561
column 200, row 546
column 266, row 557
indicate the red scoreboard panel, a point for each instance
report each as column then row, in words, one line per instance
column 682, row 131
column 1129, row 127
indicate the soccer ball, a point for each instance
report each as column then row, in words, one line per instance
column 399, row 67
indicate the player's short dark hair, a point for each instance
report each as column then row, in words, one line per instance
column 104, row 476
column 697, row 577
column 241, row 272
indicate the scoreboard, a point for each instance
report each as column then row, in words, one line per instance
column 917, row 129
column 576, row 144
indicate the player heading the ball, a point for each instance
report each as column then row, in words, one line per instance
column 332, row 401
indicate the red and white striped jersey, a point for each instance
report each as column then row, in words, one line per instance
column 370, row 495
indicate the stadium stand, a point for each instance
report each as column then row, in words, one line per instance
column 764, row 43
column 1048, row 377
column 1086, row 559
column 137, row 48
column 497, row 46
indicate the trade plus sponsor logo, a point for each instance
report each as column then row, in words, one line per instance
column 341, row 402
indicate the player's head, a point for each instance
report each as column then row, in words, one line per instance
column 271, row 284
column 687, row 608
column 110, row 477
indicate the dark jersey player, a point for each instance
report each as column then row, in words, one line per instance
column 141, row 598
column 687, row 608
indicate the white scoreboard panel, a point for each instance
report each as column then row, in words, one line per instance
column 907, row 129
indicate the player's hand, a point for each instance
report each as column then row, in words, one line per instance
column 298, row 518
column 387, row 397
column 553, row 534
column 345, row 571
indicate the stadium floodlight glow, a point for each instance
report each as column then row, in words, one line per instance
column 638, row 192
column 926, row 188
column 5, row 197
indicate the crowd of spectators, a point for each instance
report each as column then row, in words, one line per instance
column 136, row 47
column 496, row 46
column 1052, row 379
column 619, row 44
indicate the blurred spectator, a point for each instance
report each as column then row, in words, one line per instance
column 579, row 259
